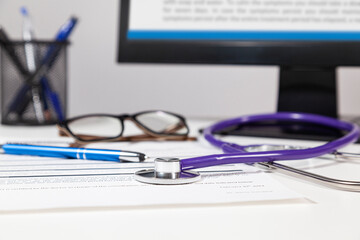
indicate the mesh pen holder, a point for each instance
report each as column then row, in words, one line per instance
column 33, row 82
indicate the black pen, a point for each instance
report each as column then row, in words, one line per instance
column 22, row 97
column 4, row 39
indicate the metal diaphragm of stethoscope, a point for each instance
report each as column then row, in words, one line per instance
column 170, row 171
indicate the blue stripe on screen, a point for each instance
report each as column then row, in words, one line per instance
column 244, row 35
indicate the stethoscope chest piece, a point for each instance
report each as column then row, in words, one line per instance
column 167, row 171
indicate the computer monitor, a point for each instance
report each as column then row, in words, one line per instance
column 308, row 39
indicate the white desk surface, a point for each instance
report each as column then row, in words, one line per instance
column 330, row 214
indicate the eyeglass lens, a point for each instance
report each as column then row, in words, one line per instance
column 162, row 123
column 100, row 126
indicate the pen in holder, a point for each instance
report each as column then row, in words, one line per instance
column 33, row 82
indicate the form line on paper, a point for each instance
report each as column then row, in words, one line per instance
column 74, row 175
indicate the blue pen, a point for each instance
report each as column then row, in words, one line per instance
column 62, row 36
column 49, row 60
column 53, row 50
column 49, row 93
column 74, row 153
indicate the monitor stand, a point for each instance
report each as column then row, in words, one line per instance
column 311, row 90
column 301, row 89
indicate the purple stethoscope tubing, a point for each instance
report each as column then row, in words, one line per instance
column 234, row 153
column 172, row 171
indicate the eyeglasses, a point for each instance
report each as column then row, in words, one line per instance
column 157, row 125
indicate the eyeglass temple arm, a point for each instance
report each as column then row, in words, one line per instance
column 62, row 132
column 175, row 128
column 140, row 137
column 128, row 138
column 172, row 129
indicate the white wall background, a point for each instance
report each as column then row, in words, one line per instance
column 98, row 84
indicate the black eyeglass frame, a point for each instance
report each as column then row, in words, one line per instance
column 64, row 129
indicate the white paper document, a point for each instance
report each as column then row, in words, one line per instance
column 33, row 183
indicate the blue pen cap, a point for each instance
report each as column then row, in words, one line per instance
column 24, row 11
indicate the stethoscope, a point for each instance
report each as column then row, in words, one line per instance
column 169, row 171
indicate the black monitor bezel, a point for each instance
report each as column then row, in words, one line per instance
column 283, row 53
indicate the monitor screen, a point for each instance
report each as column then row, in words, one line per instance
column 276, row 32
column 300, row 20
column 307, row 39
